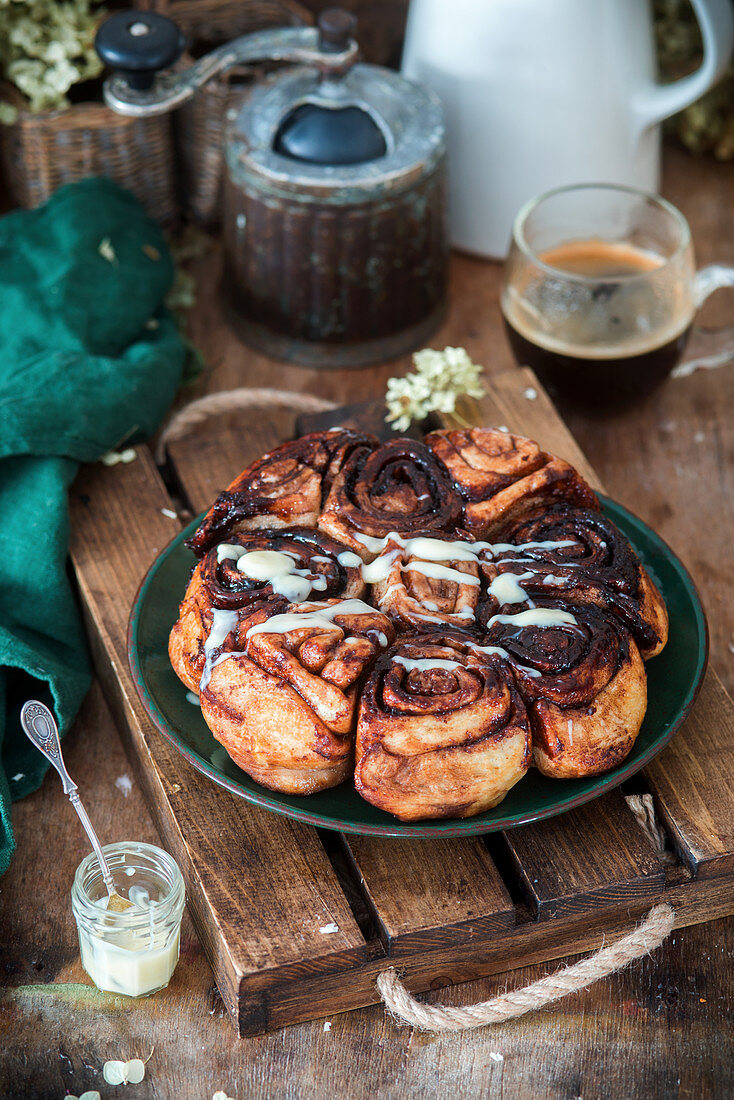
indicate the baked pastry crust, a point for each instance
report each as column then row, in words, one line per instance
column 429, row 617
column 400, row 487
column 442, row 730
column 285, row 709
column 503, row 477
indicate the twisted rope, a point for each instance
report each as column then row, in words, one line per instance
column 225, row 401
column 643, row 807
column 649, row 935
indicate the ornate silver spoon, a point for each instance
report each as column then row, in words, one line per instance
column 40, row 727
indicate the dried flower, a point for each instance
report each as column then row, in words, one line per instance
column 708, row 124
column 132, row 1072
column 440, row 378
column 112, row 458
column 106, row 251
column 46, row 47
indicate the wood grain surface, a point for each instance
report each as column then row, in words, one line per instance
column 660, row 1029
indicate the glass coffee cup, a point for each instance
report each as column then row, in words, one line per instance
column 600, row 292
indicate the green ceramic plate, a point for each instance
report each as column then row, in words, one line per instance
column 673, row 682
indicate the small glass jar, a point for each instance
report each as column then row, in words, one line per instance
column 134, row 952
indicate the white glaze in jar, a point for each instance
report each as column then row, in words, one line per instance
column 134, row 952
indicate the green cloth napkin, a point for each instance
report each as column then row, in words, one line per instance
column 89, row 361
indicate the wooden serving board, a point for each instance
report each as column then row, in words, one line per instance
column 260, row 886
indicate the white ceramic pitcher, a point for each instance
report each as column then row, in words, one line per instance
column 545, row 93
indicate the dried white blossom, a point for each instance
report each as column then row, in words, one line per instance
column 440, row 378
column 106, row 251
column 221, row 1096
column 131, row 1072
column 113, row 457
column 46, row 47
column 114, row 1072
column 135, row 1071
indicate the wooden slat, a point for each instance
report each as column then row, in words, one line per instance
column 431, row 893
column 692, row 784
column 693, row 903
column 259, row 886
column 595, row 857
column 211, row 454
column 516, row 400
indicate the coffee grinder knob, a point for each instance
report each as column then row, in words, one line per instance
column 337, row 28
column 138, row 44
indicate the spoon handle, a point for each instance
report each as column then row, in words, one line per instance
column 40, row 727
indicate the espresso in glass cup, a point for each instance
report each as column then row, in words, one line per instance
column 600, row 292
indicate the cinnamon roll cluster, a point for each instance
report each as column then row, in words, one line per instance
column 431, row 618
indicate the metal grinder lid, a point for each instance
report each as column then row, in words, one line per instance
column 399, row 125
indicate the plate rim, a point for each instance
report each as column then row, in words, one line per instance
column 429, row 830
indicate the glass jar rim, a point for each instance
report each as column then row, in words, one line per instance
column 520, row 239
column 128, row 919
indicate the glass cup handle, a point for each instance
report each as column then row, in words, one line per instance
column 709, row 347
column 709, row 279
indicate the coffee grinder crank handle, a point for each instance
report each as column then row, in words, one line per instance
column 139, row 45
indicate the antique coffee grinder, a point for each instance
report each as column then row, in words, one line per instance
column 334, row 208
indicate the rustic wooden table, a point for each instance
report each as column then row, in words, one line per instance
column 660, row 1029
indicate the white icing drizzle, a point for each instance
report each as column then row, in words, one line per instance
column 426, row 549
column 378, row 570
column 422, row 664
column 322, row 617
column 223, row 623
column 547, row 544
column 228, row 550
column 265, row 565
column 570, row 731
column 506, row 588
column 349, row 559
column 536, row 616
column 374, row 545
column 440, row 572
column 277, row 568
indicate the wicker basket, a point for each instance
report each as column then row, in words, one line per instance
column 40, row 152
column 199, row 125
column 215, row 21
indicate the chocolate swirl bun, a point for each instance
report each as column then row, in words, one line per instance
column 583, row 681
column 400, row 487
column 442, row 730
column 189, row 643
column 257, row 569
column 426, row 584
column 502, row 477
column 596, row 565
column 284, row 708
column 284, row 488
column 288, row 564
